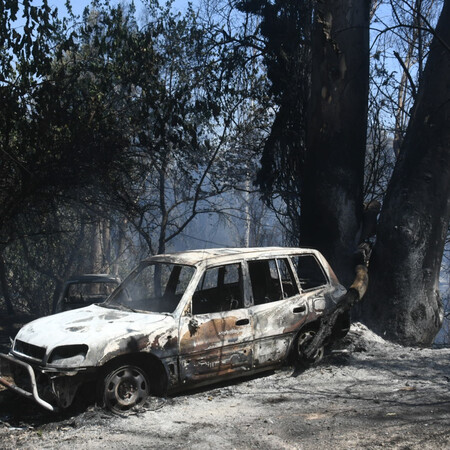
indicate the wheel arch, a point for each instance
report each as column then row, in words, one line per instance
column 309, row 326
column 151, row 364
column 339, row 331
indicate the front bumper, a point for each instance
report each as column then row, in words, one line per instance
column 33, row 391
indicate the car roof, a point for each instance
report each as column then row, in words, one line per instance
column 209, row 255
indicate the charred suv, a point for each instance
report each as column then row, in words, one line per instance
column 178, row 320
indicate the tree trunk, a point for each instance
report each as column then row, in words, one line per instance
column 121, row 246
column 4, row 287
column 57, row 292
column 106, row 244
column 332, row 189
column 96, row 248
column 403, row 302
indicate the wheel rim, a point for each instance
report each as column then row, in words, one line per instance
column 125, row 387
column 303, row 341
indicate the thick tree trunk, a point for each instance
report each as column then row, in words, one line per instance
column 332, row 189
column 403, row 302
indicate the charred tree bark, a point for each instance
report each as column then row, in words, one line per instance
column 332, row 189
column 403, row 302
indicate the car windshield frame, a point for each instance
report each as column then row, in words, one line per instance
column 141, row 292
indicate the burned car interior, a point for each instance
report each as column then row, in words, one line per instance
column 271, row 280
column 155, row 288
column 177, row 321
column 220, row 289
column 309, row 272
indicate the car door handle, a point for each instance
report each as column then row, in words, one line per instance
column 300, row 309
column 242, row 322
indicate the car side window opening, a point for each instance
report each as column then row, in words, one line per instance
column 288, row 282
column 271, row 280
column 309, row 272
column 219, row 290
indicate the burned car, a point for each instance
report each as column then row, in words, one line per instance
column 84, row 290
column 178, row 320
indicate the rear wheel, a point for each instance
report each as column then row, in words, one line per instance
column 303, row 340
column 125, row 387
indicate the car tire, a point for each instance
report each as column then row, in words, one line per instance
column 300, row 345
column 124, row 387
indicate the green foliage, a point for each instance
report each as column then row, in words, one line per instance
column 25, row 53
column 55, row 135
column 24, row 58
column 132, row 127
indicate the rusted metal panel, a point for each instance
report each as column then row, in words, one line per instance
column 219, row 344
column 162, row 342
column 216, row 363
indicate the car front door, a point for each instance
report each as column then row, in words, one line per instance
column 216, row 335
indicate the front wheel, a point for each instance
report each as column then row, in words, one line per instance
column 125, row 387
column 303, row 340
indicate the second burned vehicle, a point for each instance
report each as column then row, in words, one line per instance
column 179, row 320
column 84, row 290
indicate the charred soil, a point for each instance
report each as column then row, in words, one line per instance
column 368, row 393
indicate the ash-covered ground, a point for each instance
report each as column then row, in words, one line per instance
column 368, row 393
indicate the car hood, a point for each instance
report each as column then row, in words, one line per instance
column 103, row 330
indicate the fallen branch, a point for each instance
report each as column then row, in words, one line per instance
column 353, row 295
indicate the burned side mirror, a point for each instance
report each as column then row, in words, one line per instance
column 193, row 326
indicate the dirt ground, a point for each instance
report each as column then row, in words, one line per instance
column 366, row 394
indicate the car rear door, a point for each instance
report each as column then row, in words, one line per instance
column 278, row 309
column 314, row 282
